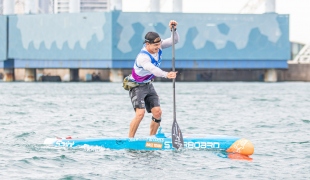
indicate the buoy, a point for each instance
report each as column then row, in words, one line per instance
column 241, row 146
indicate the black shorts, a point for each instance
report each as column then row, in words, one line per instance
column 144, row 97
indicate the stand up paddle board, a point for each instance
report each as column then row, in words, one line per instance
column 161, row 141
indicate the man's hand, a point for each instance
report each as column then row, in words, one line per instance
column 173, row 22
column 172, row 74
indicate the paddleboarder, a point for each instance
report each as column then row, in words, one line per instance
column 145, row 69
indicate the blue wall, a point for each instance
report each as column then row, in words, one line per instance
column 3, row 38
column 207, row 36
column 83, row 36
column 100, row 40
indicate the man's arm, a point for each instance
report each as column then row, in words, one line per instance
column 168, row 42
column 144, row 61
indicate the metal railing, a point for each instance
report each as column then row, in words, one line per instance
column 304, row 55
column 251, row 6
column 62, row 6
column 94, row 5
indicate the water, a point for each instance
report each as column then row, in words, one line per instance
column 274, row 116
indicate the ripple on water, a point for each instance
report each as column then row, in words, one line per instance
column 306, row 121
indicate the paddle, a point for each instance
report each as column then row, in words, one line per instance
column 177, row 137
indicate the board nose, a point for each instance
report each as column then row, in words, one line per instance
column 241, row 146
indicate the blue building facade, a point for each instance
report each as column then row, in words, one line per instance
column 113, row 39
column 3, row 39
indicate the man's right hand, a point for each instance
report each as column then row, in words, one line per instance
column 172, row 74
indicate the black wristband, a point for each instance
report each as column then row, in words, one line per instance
column 175, row 29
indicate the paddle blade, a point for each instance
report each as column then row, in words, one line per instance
column 177, row 137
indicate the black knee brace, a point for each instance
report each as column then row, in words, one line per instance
column 156, row 120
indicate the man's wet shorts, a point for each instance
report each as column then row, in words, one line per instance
column 144, row 96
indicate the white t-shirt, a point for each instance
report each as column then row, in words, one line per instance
column 143, row 60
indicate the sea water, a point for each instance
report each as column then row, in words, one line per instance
column 275, row 117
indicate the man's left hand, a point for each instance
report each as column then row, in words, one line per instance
column 173, row 22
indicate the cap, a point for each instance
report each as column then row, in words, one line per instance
column 152, row 37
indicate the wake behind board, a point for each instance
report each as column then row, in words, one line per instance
column 161, row 141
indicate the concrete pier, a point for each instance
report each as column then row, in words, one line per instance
column 1, row 74
column 295, row 72
column 19, row 74
column 94, row 75
column 74, row 75
column 65, row 75
column 8, row 75
column 270, row 75
column 116, row 75
column 30, row 75
column 39, row 74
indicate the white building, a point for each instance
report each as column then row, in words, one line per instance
column 57, row 6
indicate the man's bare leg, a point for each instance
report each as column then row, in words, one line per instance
column 154, row 127
column 156, row 111
column 135, row 122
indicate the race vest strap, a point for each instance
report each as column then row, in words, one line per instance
column 153, row 61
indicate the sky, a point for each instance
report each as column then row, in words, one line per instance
column 299, row 11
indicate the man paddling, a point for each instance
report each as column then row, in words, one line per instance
column 144, row 70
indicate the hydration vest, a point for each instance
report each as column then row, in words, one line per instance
column 140, row 75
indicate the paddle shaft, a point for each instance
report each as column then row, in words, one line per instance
column 173, row 69
column 177, row 137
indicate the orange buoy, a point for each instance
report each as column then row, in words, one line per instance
column 241, row 146
column 237, row 156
